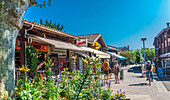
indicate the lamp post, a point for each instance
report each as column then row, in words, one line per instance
column 143, row 39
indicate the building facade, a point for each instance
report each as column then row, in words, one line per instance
column 162, row 42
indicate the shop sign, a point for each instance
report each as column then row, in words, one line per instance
column 82, row 42
column 96, row 45
column 38, row 46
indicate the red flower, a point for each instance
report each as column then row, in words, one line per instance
column 5, row 97
column 65, row 98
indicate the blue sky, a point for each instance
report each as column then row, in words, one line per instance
column 121, row 22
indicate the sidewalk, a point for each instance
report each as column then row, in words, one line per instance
column 137, row 88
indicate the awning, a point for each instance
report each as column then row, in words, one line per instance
column 60, row 44
column 83, row 54
column 97, row 52
column 116, row 55
column 165, row 55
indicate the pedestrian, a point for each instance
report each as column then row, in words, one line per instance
column 106, row 68
column 116, row 70
column 149, row 70
column 142, row 67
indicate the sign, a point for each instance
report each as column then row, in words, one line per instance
column 96, row 45
column 38, row 46
column 160, row 72
column 82, row 42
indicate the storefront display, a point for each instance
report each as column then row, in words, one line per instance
column 167, row 67
column 62, row 64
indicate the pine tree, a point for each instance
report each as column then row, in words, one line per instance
column 41, row 22
column 46, row 22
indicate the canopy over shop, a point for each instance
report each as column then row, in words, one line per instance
column 96, row 52
column 167, row 55
column 121, row 59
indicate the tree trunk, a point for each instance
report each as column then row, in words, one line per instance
column 11, row 16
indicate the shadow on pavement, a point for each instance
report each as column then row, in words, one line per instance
column 138, row 76
column 140, row 84
column 136, row 69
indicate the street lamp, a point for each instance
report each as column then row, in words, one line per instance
column 143, row 39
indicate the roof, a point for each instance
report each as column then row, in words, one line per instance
column 48, row 29
column 60, row 44
column 91, row 37
column 123, row 48
column 94, row 38
column 112, row 48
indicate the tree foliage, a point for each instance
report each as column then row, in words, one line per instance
column 52, row 25
column 43, row 4
column 32, row 56
column 149, row 53
column 138, row 56
column 130, row 55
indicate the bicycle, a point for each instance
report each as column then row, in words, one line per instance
column 149, row 79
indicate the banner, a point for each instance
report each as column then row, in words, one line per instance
column 82, row 42
column 96, row 45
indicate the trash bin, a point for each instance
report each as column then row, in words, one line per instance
column 122, row 74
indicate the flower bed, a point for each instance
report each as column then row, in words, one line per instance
column 79, row 87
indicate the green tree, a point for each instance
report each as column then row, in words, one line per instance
column 138, row 56
column 46, row 23
column 11, row 22
column 41, row 22
column 130, row 55
column 32, row 56
column 52, row 25
column 149, row 53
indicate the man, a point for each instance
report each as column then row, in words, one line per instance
column 149, row 68
column 106, row 68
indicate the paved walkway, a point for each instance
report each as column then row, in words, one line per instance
column 137, row 88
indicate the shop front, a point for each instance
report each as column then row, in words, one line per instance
column 64, row 54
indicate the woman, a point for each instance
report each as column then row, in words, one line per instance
column 143, row 68
column 116, row 70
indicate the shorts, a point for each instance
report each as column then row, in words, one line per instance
column 106, row 72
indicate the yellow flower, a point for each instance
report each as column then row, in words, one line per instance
column 92, row 99
column 16, row 89
column 112, row 96
column 121, row 97
column 80, row 94
column 84, row 99
column 116, row 99
column 24, row 68
column 84, row 60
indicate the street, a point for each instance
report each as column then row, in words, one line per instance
column 136, row 87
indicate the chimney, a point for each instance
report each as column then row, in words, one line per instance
column 167, row 24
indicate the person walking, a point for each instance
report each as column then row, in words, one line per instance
column 116, row 70
column 143, row 68
column 106, row 68
column 149, row 70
